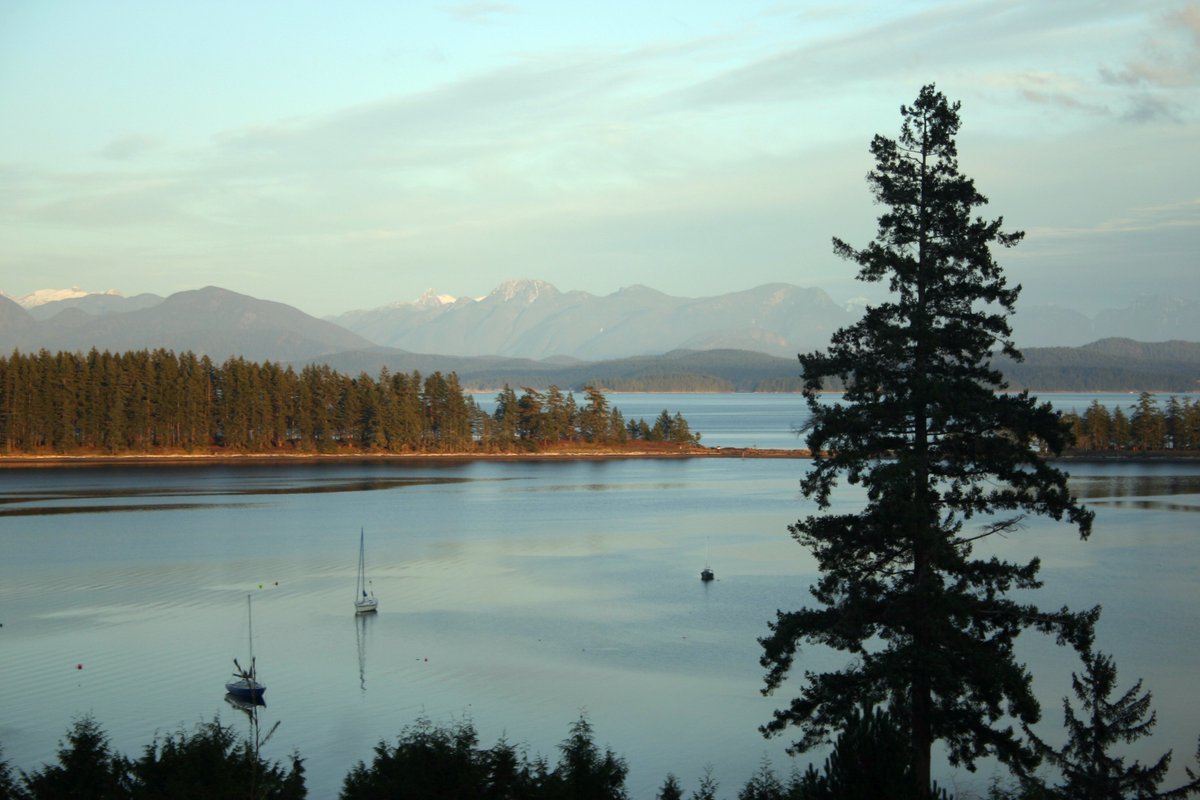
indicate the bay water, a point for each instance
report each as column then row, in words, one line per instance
column 513, row 595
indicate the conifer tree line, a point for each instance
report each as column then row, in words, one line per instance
column 158, row 401
column 1148, row 425
column 868, row 761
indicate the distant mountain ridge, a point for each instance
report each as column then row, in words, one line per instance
column 43, row 296
column 95, row 304
column 1106, row 366
column 530, row 332
column 1146, row 319
column 210, row 321
column 533, row 319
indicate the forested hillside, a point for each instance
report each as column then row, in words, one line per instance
column 157, row 401
column 1109, row 365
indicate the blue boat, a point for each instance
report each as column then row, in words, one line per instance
column 245, row 686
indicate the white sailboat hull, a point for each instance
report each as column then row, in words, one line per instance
column 366, row 605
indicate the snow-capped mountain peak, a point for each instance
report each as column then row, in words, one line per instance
column 523, row 290
column 432, row 299
column 43, row 296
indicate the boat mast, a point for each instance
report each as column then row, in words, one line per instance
column 361, row 586
column 250, row 632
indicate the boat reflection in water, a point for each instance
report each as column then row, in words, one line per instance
column 244, row 705
column 361, row 625
column 251, row 708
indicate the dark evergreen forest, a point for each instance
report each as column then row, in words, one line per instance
column 159, row 402
column 1148, row 425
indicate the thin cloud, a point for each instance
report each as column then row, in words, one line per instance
column 129, row 147
column 481, row 12
column 600, row 106
column 1167, row 64
column 1188, row 18
column 965, row 36
column 1183, row 214
column 1152, row 108
column 1061, row 100
column 117, row 203
column 1161, row 75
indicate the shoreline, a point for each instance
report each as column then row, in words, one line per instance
column 569, row 454
column 166, row 459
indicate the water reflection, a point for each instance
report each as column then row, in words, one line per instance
column 191, row 489
column 246, row 705
column 1132, row 485
column 361, row 621
column 40, row 511
column 1146, row 505
column 250, row 708
column 44, row 498
column 661, row 486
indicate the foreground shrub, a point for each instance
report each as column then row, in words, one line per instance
column 87, row 768
column 212, row 761
column 432, row 762
column 209, row 762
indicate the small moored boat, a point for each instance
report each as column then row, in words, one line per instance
column 245, row 686
column 365, row 601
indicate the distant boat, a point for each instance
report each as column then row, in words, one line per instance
column 245, row 686
column 365, row 601
column 706, row 574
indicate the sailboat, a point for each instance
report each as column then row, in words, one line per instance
column 365, row 601
column 245, row 686
column 706, row 574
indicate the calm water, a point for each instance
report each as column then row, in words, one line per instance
column 514, row 595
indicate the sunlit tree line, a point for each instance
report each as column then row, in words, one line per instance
column 1147, row 425
column 148, row 401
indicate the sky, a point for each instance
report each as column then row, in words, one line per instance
column 341, row 156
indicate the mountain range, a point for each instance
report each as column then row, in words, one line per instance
column 211, row 321
column 533, row 319
column 530, row 331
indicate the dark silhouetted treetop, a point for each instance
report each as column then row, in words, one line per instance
column 945, row 458
column 1089, row 768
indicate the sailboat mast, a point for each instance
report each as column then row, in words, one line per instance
column 250, row 629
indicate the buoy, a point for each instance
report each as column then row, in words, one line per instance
column 79, row 666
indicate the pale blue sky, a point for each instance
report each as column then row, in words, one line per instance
column 336, row 156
